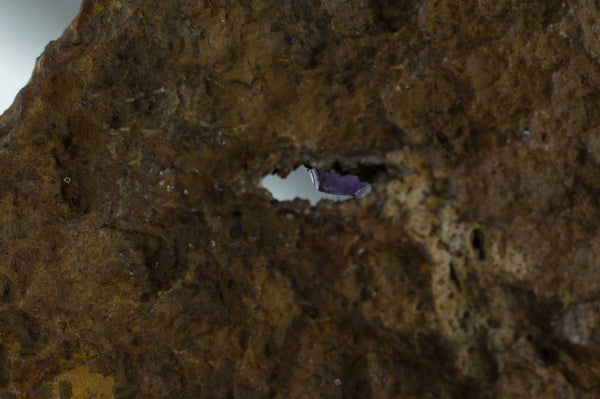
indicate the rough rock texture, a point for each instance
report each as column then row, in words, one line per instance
column 141, row 258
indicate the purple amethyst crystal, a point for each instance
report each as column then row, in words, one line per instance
column 332, row 183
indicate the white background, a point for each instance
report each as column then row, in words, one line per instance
column 26, row 26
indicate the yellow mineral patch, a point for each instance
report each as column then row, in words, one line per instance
column 84, row 384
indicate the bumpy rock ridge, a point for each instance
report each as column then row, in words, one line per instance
column 141, row 258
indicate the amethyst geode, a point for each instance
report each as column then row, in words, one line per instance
column 332, row 183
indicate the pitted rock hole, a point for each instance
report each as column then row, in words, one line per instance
column 478, row 243
column 303, row 182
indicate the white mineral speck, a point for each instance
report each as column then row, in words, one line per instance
column 162, row 182
column 337, row 382
column 289, row 216
column 67, row 179
column 361, row 251
column 185, row 192
column 213, row 243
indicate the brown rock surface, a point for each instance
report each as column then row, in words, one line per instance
column 141, row 258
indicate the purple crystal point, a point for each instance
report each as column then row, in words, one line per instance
column 332, row 183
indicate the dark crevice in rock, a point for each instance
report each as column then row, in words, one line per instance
column 454, row 277
column 478, row 243
column 394, row 14
column 547, row 355
column 4, row 367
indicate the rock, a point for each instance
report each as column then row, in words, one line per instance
column 141, row 258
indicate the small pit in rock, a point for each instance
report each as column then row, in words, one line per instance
column 315, row 185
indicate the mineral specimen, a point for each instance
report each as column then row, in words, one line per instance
column 140, row 258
